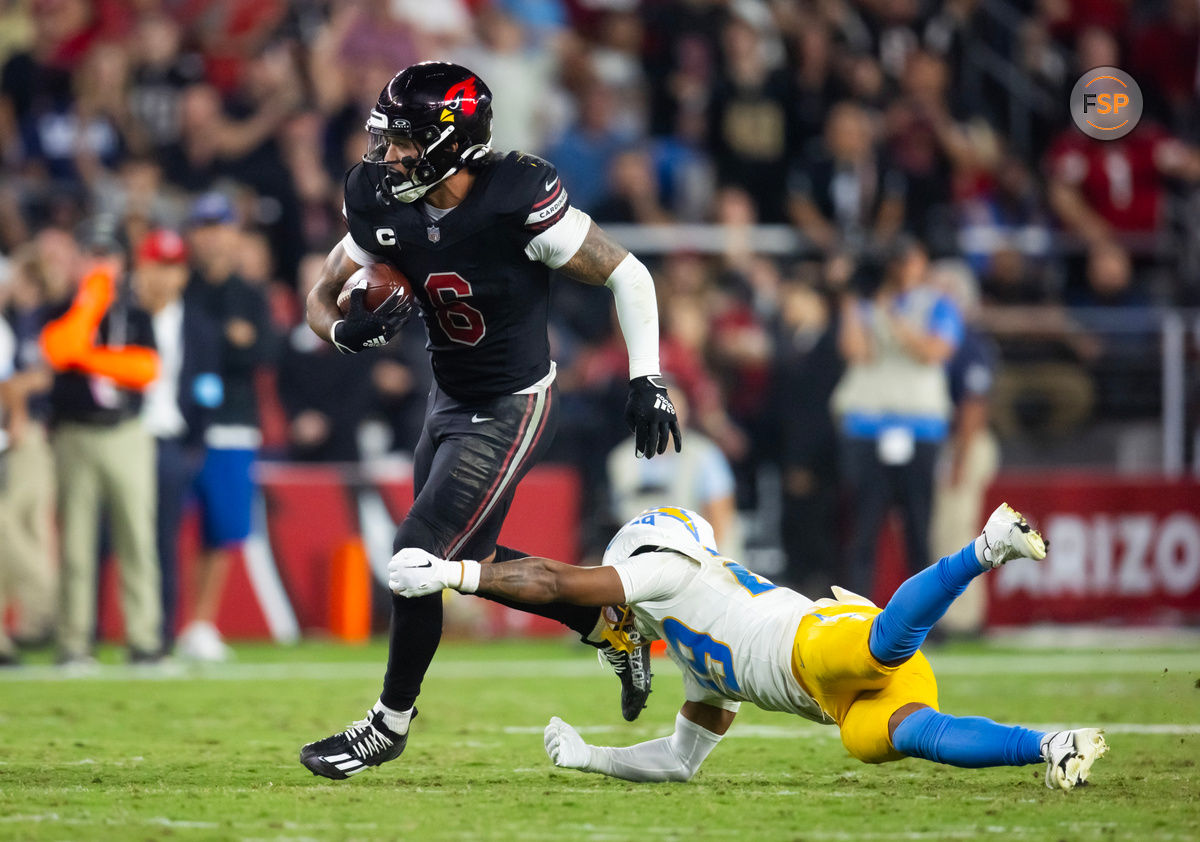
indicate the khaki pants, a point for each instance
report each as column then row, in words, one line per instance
column 1065, row 389
column 27, row 553
column 112, row 469
column 956, row 521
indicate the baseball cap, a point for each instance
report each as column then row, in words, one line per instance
column 162, row 245
column 212, row 208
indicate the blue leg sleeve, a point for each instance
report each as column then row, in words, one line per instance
column 920, row 602
column 971, row 742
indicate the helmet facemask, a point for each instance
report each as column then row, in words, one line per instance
column 438, row 156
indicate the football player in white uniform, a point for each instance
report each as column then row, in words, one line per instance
column 739, row 638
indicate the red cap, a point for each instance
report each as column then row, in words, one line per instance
column 162, row 246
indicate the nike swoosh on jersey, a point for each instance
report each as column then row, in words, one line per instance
column 479, row 419
column 550, row 184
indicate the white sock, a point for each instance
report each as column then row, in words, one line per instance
column 1044, row 745
column 395, row 720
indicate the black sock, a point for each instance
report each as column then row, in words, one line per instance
column 416, row 627
column 581, row 619
column 416, row 631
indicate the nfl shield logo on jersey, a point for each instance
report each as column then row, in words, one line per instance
column 434, row 233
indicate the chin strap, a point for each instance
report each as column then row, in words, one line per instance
column 410, row 194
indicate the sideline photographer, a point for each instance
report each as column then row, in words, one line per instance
column 893, row 404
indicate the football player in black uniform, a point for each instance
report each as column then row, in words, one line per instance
column 477, row 234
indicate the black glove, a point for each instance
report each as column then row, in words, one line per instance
column 651, row 416
column 370, row 329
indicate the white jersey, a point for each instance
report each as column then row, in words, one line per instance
column 731, row 632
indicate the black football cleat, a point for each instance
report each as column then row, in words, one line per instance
column 633, row 668
column 368, row 742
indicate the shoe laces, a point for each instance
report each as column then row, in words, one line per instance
column 365, row 739
column 615, row 657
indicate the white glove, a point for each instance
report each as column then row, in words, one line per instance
column 415, row 572
column 565, row 747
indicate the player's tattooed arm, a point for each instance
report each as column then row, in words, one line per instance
column 321, row 307
column 540, row 580
column 596, row 258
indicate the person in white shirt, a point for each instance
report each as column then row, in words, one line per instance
column 176, row 412
column 739, row 638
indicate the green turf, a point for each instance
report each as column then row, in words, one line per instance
column 132, row 755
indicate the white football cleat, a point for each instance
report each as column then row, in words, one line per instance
column 1069, row 756
column 200, row 641
column 1007, row 535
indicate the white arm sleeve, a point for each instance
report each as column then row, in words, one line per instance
column 649, row 577
column 637, row 311
column 356, row 252
column 558, row 243
column 673, row 758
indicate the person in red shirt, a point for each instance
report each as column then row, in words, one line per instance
column 1117, row 188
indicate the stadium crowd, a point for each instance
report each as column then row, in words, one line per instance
column 950, row 225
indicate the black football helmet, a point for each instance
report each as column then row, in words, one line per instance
column 445, row 110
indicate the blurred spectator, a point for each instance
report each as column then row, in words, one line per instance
column 697, row 478
column 893, row 405
column 738, row 344
column 178, row 402
column 748, row 116
column 62, row 34
column 230, row 33
column 806, row 369
column 513, row 63
column 161, row 74
column 587, row 150
column 1004, row 211
column 69, row 139
column 318, row 195
column 326, row 394
column 1116, row 189
column 1116, row 311
column 848, row 198
column 681, row 55
column 102, row 351
column 816, row 82
column 633, row 195
column 28, row 551
column 929, row 147
column 1042, row 386
column 224, row 487
column 355, row 53
column 137, row 193
column 971, row 457
column 1066, row 19
column 1165, row 59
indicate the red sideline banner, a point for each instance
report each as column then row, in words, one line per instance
column 1121, row 549
column 279, row 584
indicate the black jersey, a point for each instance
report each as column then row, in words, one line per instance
column 484, row 302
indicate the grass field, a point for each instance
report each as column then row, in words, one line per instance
column 154, row 753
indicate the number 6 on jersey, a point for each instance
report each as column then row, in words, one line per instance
column 461, row 322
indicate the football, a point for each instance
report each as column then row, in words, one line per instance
column 379, row 280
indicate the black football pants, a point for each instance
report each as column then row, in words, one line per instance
column 466, row 467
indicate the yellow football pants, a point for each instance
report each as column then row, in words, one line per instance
column 832, row 661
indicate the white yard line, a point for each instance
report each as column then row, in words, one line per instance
column 1032, row 663
column 815, row 731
